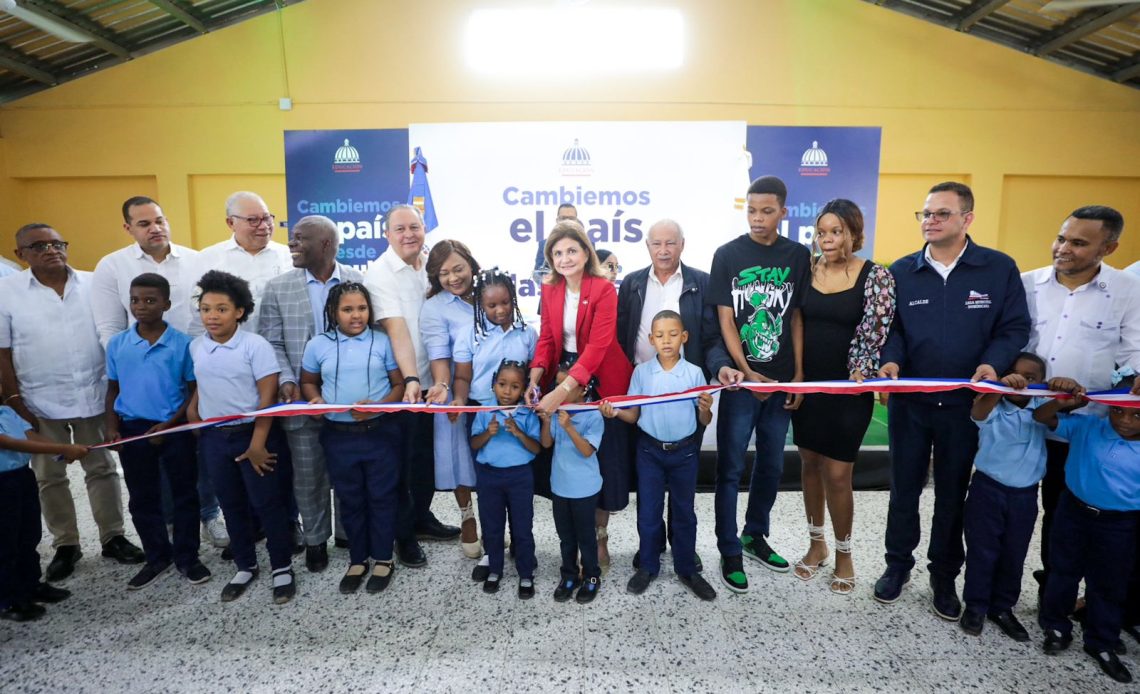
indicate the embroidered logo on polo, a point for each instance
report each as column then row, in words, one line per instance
column 977, row 300
column 763, row 295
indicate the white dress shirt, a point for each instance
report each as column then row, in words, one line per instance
column 257, row 269
column 1082, row 333
column 55, row 349
column 658, row 297
column 398, row 290
column 1134, row 268
column 111, row 287
column 941, row 269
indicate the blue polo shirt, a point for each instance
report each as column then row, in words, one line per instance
column 1011, row 445
column 228, row 373
column 153, row 379
column 517, row 344
column 1103, row 470
column 671, row 421
column 572, row 475
column 14, row 426
column 351, row 368
column 504, row 449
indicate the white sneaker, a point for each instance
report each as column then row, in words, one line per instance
column 214, row 532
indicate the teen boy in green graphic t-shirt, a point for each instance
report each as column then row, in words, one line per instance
column 757, row 284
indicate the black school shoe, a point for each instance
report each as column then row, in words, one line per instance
column 121, row 550
column 972, row 622
column 23, row 612
column 588, row 590
column 45, row 592
column 1055, row 642
column 147, row 575
column 316, row 558
column 696, row 557
column 432, row 529
column 285, row 593
column 945, row 600
column 63, row 563
column 565, row 589
column 639, row 582
column 491, row 585
column 197, row 573
column 698, row 586
column 411, row 554
column 526, row 588
column 232, row 591
column 349, row 584
column 1009, row 626
column 1111, row 665
column 378, row 582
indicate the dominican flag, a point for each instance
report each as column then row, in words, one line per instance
column 420, row 193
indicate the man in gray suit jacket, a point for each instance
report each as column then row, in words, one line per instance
column 292, row 311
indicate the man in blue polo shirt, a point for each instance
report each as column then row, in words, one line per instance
column 961, row 314
column 150, row 382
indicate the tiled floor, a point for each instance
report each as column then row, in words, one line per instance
column 436, row 631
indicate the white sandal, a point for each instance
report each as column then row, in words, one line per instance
column 839, row 584
column 471, row 550
column 803, row 570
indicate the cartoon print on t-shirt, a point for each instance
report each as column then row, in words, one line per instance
column 766, row 293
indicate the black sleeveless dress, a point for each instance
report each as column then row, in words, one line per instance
column 832, row 425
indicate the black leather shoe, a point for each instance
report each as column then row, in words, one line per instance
column 316, row 558
column 480, row 573
column 1132, row 631
column 23, row 612
column 1009, row 626
column 526, row 591
column 1055, row 642
column 376, row 582
column 411, row 554
column 639, row 582
column 121, row 550
column 49, row 594
column 698, row 586
column 350, row 583
column 340, row 543
column 945, row 598
column 889, row 586
column 588, row 591
column 233, row 591
column 63, row 563
column 491, row 585
column 432, row 529
column 972, row 622
column 1111, row 665
column 285, row 593
column 565, row 589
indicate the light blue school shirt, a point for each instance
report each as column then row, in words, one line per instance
column 670, row 421
column 153, row 379
column 1011, row 444
column 504, row 449
column 444, row 318
column 319, row 296
column 1103, row 469
column 516, row 344
column 227, row 373
column 573, row 475
column 351, row 368
column 14, row 426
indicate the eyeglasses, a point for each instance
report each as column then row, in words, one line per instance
column 43, row 246
column 613, row 267
column 256, row 221
column 940, row 215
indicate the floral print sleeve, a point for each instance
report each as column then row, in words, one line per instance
column 871, row 333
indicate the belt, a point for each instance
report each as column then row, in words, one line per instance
column 355, row 427
column 231, row 429
column 1099, row 512
column 670, row 445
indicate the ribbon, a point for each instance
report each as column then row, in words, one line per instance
column 1118, row 398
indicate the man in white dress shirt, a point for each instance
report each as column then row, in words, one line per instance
column 251, row 253
column 52, row 373
column 1085, row 318
column 152, row 251
column 398, row 284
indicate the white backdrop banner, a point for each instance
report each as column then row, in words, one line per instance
column 497, row 186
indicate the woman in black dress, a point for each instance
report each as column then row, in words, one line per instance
column 847, row 313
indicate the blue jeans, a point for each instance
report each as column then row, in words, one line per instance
column 999, row 523
column 502, row 490
column 738, row 416
column 675, row 471
column 364, row 468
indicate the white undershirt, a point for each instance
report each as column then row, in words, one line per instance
column 570, row 322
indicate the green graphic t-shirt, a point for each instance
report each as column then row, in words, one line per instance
column 762, row 284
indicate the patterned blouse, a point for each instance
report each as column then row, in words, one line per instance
column 871, row 333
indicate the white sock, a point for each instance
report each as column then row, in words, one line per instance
column 485, row 561
column 493, row 578
column 241, row 578
column 282, row 577
column 526, row 583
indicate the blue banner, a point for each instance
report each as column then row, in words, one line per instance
column 351, row 176
column 819, row 164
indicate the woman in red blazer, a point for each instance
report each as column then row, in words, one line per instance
column 574, row 269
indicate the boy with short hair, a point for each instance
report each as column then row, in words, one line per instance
column 150, row 381
column 1094, row 531
column 668, row 454
column 21, row 590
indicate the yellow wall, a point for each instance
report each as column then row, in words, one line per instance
column 196, row 121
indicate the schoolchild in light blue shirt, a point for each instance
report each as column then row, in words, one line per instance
column 352, row 364
column 575, row 481
column 505, row 443
column 150, row 382
column 668, row 455
column 20, row 529
column 1094, row 529
column 1001, row 505
column 499, row 333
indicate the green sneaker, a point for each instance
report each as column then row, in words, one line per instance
column 732, row 574
column 757, row 549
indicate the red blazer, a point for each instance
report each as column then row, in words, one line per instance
column 599, row 352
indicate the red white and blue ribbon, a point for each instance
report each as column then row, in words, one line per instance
column 1116, row 398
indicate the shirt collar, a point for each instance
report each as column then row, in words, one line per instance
column 309, row 277
column 1102, row 281
column 341, row 337
column 174, row 252
column 930, row 259
column 232, row 343
column 136, row 338
column 72, row 278
column 654, row 280
column 396, row 264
